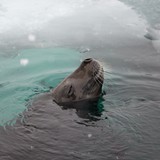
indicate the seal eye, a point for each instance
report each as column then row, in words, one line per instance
column 87, row 60
column 70, row 91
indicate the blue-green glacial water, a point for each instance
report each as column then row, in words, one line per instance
column 31, row 72
column 41, row 42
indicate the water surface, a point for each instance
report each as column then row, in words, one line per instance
column 53, row 40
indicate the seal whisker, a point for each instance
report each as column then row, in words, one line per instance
column 98, row 80
column 100, row 74
column 99, row 77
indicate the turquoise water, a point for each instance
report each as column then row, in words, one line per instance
column 30, row 72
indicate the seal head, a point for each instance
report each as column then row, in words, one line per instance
column 85, row 83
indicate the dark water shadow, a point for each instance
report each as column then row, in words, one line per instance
column 48, row 131
column 90, row 110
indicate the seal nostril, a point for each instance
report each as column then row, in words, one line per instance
column 88, row 60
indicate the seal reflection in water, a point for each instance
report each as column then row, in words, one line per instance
column 84, row 84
